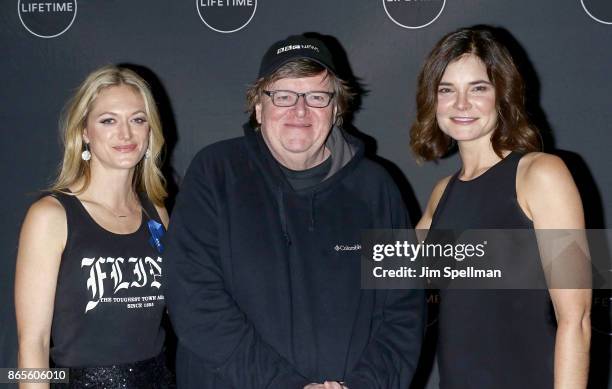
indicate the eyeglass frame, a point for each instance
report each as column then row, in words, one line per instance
column 270, row 94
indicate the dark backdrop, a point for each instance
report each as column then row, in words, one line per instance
column 200, row 75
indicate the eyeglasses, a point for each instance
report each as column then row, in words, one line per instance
column 287, row 98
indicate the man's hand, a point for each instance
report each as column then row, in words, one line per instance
column 326, row 385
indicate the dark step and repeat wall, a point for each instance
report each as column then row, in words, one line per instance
column 200, row 55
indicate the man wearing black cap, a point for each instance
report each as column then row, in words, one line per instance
column 263, row 252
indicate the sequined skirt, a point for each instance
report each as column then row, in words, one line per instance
column 148, row 374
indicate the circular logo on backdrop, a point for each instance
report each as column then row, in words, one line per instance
column 47, row 19
column 598, row 10
column 413, row 14
column 226, row 16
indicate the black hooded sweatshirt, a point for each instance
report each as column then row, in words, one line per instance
column 264, row 281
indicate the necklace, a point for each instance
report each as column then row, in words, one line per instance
column 119, row 216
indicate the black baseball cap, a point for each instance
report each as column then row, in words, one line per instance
column 295, row 47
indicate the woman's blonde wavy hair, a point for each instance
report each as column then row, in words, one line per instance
column 147, row 175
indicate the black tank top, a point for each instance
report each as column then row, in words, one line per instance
column 109, row 299
column 492, row 338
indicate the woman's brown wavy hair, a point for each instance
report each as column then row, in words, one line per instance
column 513, row 132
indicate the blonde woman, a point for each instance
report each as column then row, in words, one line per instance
column 89, row 282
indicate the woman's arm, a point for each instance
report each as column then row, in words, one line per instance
column 42, row 240
column 550, row 198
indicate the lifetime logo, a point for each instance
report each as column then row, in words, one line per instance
column 47, row 19
column 47, row 7
column 297, row 47
column 226, row 16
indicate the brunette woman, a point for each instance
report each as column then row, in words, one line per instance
column 470, row 93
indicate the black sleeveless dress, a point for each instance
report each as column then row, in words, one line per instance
column 492, row 338
column 109, row 304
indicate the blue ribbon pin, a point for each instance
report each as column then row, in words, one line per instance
column 157, row 231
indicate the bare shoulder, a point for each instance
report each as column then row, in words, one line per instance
column 47, row 210
column 538, row 161
column 46, row 222
column 432, row 204
column 436, row 194
column 547, row 192
column 163, row 214
column 543, row 171
column 439, row 188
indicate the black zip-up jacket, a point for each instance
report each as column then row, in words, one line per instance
column 263, row 282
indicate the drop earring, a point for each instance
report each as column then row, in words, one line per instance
column 86, row 155
column 148, row 152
